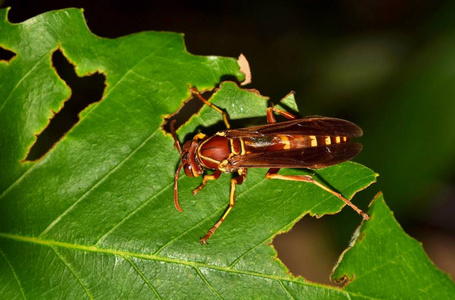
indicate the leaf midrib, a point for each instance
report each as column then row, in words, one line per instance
column 79, row 247
column 195, row 265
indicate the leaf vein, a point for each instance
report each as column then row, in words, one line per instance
column 217, row 211
column 14, row 273
column 133, row 213
column 136, row 64
column 270, row 236
column 149, row 284
column 207, row 282
column 22, row 79
column 98, row 183
column 385, row 263
column 73, row 272
column 186, row 231
column 285, row 289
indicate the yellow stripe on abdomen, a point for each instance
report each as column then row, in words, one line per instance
column 285, row 141
column 313, row 141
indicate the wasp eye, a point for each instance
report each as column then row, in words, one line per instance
column 188, row 170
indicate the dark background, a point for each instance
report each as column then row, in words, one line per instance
column 386, row 65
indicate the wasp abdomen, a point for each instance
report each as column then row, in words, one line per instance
column 286, row 142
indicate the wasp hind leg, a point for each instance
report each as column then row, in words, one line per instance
column 271, row 118
column 234, row 181
column 273, row 174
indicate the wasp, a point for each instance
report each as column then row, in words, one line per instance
column 310, row 143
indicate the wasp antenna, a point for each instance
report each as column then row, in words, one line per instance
column 176, row 193
column 174, row 135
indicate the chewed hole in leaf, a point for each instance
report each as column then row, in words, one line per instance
column 6, row 55
column 188, row 108
column 307, row 250
column 84, row 91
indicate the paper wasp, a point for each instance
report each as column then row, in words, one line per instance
column 310, row 143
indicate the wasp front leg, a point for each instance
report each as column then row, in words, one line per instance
column 234, row 181
column 273, row 174
column 206, row 178
column 196, row 92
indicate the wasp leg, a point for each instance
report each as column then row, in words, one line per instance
column 285, row 114
column 195, row 92
column 237, row 180
column 273, row 174
column 206, row 178
column 271, row 117
column 199, row 136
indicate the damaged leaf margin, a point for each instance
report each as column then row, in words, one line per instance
column 29, row 81
column 383, row 262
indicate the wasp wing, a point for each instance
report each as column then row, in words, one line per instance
column 318, row 126
column 311, row 157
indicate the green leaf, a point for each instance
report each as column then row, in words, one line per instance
column 383, row 262
column 94, row 218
